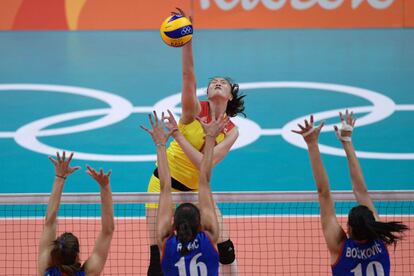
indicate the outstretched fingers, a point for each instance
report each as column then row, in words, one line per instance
column 74, row 169
column 70, row 157
column 91, row 171
column 53, row 160
column 297, row 131
column 99, row 176
column 309, row 132
column 320, row 126
column 146, row 129
column 170, row 114
column 151, row 121
column 180, row 12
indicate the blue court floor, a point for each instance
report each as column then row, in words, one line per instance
column 88, row 92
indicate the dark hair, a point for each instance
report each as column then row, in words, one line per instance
column 364, row 227
column 236, row 105
column 65, row 253
column 186, row 223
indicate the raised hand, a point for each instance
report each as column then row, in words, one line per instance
column 182, row 13
column 158, row 134
column 170, row 122
column 100, row 177
column 309, row 133
column 348, row 122
column 215, row 126
column 62, row 165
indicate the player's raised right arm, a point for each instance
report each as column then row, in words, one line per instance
column 333, row 232
column 189, row 101
column 96, row 262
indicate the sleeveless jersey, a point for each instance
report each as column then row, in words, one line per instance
column 181, row 168
column 54, row 271
column 362, row 259
column 202, row 260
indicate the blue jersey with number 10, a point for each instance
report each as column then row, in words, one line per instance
column 202, row 260
column 363, row 259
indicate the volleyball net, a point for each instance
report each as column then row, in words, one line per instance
column 275, row 233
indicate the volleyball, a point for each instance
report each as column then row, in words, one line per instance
column 176, row 30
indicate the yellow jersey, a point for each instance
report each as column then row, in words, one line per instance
column 181, row 168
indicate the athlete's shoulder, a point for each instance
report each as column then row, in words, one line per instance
column 169, row 245
column 203, row 235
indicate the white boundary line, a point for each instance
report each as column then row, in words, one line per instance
column 98, row 218
column 262, row 196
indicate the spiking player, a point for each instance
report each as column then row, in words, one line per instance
column 186, row 150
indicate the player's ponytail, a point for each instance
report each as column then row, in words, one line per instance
column 187, row 224
column 364, row 227
column 236, row 105
column 184, row 235
column 65, row 253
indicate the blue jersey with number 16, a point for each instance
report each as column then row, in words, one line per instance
column 363, row 259
column 202, row 259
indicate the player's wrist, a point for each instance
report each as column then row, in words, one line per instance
column 312, row 143
column 175, row 132
column 210, row 135
column 346, row 143
column 60, row 176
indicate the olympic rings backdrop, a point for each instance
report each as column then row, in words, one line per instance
column 88, row 92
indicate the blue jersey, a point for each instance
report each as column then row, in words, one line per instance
column 202, row 260
column 362, row 259
column 54, row 271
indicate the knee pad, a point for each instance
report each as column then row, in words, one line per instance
column 154, row 268
column 226, row 252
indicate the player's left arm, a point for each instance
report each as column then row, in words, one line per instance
column 359, row 187
column 96, row 262
column 164, row 213
column 195, row 156
column 62, row 171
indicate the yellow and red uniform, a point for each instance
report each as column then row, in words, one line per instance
column 183, row 173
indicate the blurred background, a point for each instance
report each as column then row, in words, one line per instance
column 68, row 59
column 82, row 75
